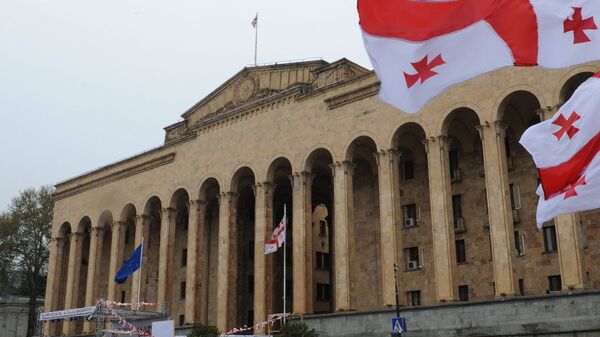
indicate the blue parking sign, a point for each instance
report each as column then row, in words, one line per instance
column 398, row 325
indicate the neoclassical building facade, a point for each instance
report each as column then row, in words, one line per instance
column 447, row 194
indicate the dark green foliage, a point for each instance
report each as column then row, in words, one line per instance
column 205, row 331
column 296, row 329
column 25, row 245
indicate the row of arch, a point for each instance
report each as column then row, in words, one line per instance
column 518, row 110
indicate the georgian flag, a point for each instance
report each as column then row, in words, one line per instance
column 565, row 150
column 277, row 237
column 420, row 48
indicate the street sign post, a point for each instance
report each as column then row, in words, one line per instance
column 398, row 326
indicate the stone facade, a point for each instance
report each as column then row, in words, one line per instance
column 448, row 195
column 14, row 314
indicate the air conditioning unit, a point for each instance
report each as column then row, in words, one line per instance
column 516, row 216
column 409, row 222
column 457, row 175
column 459, row 225
column 412, row 265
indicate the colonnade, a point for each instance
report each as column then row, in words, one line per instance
column 68, row 245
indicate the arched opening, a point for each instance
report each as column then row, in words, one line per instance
column 572, row 84
column 103, row 276
column 62, row 266
column 320, row 246
column 413, row 234
column 279, row 174
column 518, row 112
column 81, row 269
column 178, row 264
column 243, row 247
column 472, row 244
column 123, row 291
column 365, row 229
column 152, row 223
column 208, row 257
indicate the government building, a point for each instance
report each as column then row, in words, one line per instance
column 447, row 194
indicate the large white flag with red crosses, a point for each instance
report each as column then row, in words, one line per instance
column 565, row 150
column 420, row 48
column 277, row 238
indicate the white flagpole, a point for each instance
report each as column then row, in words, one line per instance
column 140, row 276
column 284, row 261
column 256, row 40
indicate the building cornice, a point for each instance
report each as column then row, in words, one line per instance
column 353, row 96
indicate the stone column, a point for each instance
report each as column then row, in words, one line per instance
column 262, row 227
column 387, row 162
column 441, row 218
column 146, row 223
column 165, row 261
column 343, row 212
column 301, row 250
column 499, row 207
column 91, row 274
column 54, row 271
column 223, row 276
column 569, row 252
column 116, row 257
column 135, row 278
column 196, row 217
column 72, row 278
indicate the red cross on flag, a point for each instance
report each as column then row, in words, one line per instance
column 277, row 237
column 420, row 48
column 565, row 150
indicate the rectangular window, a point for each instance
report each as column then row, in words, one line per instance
column 184, row 257
column 250, row 317
column 519, row 244
column 554, row 283
column 182, row 290
column 463, row 293
column 414, row 298
column 322, row 292
column 411, row 215
column 550, row 244
column 515, row 196
column 507, row 146
column 408, row 170
column 459, row 223
column 322, row 261
column 127, row 235
column 181, row 320
column 251, row 250
column 250, row 284
column 521, row 287
column 123, row 296
column 453, row 160
column 412, row 258
column 461, row 253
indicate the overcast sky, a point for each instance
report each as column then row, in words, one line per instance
column 85, row 83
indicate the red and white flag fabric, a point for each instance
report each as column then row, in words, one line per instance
column 420, row 48
column 565, row 150
column 255, row 21
column 277, row 237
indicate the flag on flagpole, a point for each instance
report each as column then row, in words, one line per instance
column 420, row 48
column 130, row 265
column 277, row 237
column 254, row 21
column 565, row 150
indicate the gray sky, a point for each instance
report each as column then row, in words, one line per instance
column 85, row 83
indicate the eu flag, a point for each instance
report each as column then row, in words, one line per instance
column 130, row 266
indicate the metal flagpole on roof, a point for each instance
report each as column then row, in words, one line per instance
column 256, row 39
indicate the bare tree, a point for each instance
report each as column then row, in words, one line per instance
column 25, row 231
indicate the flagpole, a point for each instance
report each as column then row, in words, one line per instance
column 140, row 276
column 284, row 261
column 256, row 41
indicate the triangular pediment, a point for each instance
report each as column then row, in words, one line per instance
column 256, row 83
